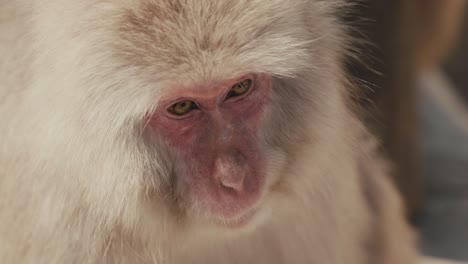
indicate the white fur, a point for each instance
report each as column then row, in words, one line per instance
column 76, row 80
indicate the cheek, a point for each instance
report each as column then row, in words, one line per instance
column 176, row 134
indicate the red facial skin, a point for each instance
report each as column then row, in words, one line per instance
column 222, row 166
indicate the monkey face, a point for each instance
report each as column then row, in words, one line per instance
column 214, row 132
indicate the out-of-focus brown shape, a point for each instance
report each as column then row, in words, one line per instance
column 456, row 63
column 408, row 36
column 437, row 24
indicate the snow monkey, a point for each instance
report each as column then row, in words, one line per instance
column 186, row 131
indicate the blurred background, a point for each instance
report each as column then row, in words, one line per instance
column 413, row 74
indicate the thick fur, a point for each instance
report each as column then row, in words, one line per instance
column 83, row 180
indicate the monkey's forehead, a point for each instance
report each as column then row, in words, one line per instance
column 205, row 40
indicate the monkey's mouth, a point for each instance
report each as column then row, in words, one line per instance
column 237, row 222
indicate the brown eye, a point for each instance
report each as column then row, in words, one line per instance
column 182, row 107
column 240, row 88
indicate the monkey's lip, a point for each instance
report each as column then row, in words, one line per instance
column 237, row 222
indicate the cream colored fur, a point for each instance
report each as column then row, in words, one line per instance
column 80, row 182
